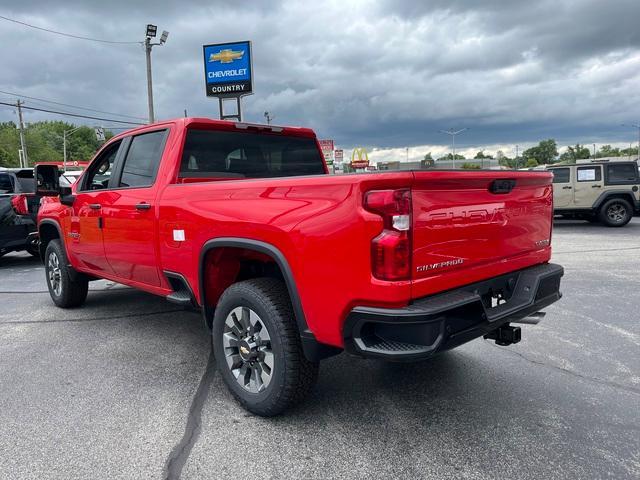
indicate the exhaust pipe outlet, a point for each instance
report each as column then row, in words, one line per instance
column 505, row 335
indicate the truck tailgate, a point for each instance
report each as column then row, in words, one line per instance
column 463, row 224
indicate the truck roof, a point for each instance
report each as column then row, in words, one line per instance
column 586, row 164
column 203, row 122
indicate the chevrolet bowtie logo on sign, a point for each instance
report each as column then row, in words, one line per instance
column 226, row 56
column 228, row 70
column 359, row 158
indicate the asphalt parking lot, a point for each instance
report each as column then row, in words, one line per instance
column 124, row 387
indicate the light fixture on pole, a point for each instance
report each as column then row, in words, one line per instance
column 453, row 134
column 268, row 117
column 152, row 31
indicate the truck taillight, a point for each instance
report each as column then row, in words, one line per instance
column 391, row 250
column 19, row 204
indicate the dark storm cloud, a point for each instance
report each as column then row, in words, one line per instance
column 380, row 74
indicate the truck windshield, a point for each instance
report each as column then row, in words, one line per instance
column 209, row 153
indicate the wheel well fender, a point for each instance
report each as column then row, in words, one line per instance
column 312, row 349
column 257, row 246
column 48, row 230
column 611, row 194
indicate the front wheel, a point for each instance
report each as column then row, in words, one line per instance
column 616, row 212
column 65, row 291
column 258, row 349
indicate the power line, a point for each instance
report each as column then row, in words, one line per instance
column 71, row 106
column 68, row 34
column 69, row 114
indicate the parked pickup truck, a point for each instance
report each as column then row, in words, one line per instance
column 289, row 264
column 18, row 211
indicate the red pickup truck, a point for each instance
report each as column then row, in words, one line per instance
column 289, row 264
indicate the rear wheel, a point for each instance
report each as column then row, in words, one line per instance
column 616, row 212
column 257, row 347
column 65, row 291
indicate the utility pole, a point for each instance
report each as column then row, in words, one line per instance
column 147, row 49
column 407, row 154
column 151, row 32
column 634, row 125
column 516, row 159
column 24, row 159
column 268, row 117
column 594, row 152
column 453, row 134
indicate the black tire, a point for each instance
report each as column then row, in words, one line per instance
column 616, row 212
column 293, row 376
column 65, row 292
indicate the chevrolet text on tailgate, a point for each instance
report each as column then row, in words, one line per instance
column 243, row 222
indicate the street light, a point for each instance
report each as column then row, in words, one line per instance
column 65, row 133
column 634, row 125
column 152, row 30
column 453, row 134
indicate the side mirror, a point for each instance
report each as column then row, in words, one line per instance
column 47, row 180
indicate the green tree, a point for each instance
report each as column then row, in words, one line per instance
column 470, row 166
column 607, row 151
column 505, row 161
column 531, row 163
column 449, row 156
column 481, row 155
column 576, row 152
column 44, row 142
column 5, row 158
column 545, row 152
column 629, row 152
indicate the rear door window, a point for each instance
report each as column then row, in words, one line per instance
column 215, row 154
column 142, row 160
column 26, row 181
column 623, row 173
column 589, row 174
column 6, row 185
column 561, row 175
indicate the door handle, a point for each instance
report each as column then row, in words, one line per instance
column 566, row 188
column 95, row 206
column 596, row 186
column 143, row 206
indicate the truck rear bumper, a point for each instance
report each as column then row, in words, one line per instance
column 440, row 322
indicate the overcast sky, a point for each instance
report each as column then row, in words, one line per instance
column 379, row 74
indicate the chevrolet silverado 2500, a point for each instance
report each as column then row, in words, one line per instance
column 289, row 264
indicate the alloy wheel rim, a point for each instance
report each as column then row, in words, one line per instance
column 55, row 277
column 247, row 349
column 616, row 212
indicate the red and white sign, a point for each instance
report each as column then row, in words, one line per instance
column 327, row 150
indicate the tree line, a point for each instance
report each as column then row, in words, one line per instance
column 44, row 142
column 544, row 153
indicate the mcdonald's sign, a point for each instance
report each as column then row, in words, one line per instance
column 359, row 158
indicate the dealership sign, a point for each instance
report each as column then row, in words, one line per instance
column 338, row 155
column 228, row 70
column 327, row 150
column 359, row 158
